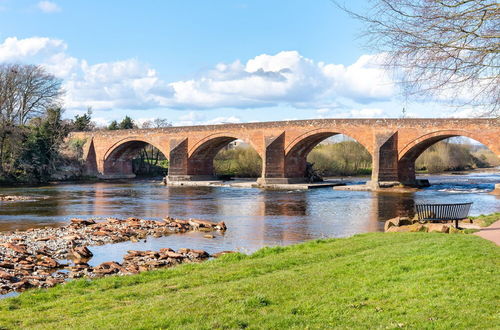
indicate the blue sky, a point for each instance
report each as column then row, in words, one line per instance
column 197, row 62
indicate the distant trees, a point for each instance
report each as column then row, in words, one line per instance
column 156, row 123
column 342, row 158
column 446, row 156
column 126, row 123
column 239, row 162
column 448, row 49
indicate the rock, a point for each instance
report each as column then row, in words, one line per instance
column 416, row 227
column 397, row 222
column 174, row 255
column 437, row 227
column 218, row 254
column 453, row 230
column 48, row 262
column 81, row 252
column 209, row 236
column 82, row 222
column 6, row 276
column 110, row 267
column 402, row 229
column 194, row 225
column 221, row 226
column 17, row 248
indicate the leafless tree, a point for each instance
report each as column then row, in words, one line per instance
column 446, row 49
column 156, row 123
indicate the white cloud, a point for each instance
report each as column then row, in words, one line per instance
column 48, row 7
column 15, row 50
column 286, row 78
column 196, row 118
column 367, row 113
column 353, row 113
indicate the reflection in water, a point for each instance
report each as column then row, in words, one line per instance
column 255, row 218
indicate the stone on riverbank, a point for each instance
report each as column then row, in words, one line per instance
column 31, row 258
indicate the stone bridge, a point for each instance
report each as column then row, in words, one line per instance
column 283, row 146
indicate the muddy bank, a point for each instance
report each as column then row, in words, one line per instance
column 47, row 256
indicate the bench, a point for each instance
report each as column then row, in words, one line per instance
column 442, row 212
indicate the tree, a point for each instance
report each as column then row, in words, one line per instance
column 156, row 123
column 446, row 49
column 113, row 126
column 40, row 150
column 26, row 91
column 84, row 122
column 127, row 123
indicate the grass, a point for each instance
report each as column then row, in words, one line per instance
column 486, row 220
column 377, row 280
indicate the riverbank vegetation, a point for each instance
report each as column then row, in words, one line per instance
column 448, row 156
column 238, row 162
column 347, row 158
column 484, row 220
column 395, row 280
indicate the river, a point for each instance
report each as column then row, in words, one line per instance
column 255, row 218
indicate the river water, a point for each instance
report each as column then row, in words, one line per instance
column 254, row 217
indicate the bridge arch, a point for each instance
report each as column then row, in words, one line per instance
column 412, row 150
column 201, row 155
column 297, row 150
column 117, row 160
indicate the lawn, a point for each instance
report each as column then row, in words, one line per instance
column 377, row 280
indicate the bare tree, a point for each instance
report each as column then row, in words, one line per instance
column 156, row 123
column 446, row 49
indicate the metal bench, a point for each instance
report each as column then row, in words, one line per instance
column 443, row 212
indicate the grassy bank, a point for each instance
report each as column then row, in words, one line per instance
column 484, row 220
column 374, row 280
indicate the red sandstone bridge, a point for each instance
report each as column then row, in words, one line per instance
column 283, row 146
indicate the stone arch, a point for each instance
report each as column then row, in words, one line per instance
column 297, row 150
column 202, row 154
column 412, row 150
column 117, row 160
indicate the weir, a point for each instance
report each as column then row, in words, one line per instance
column 283, row 146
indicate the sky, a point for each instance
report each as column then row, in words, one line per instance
column 206, row 62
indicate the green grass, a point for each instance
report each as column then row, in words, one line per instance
column 486, row 220
column 410, row 280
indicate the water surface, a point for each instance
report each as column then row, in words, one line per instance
column 254, row 217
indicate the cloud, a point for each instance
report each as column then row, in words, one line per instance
column 353, row 113
column 196, row 118
column 48, row 7
column 286, row 78
column 16, row 50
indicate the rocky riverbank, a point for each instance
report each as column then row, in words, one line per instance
column 47, row 256
column 405, row 224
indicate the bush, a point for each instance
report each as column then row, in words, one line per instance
column 239, row 162
column 342, row 158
